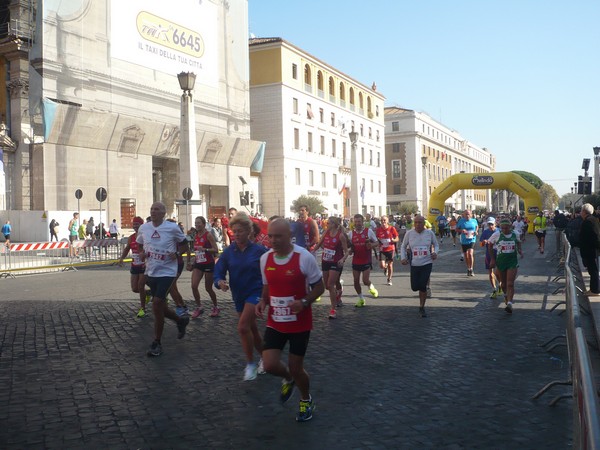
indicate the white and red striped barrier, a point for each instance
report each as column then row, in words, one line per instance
column 95, row 243
column 33, row 246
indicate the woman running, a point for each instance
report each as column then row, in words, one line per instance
column 335, row 252
column 507, row 244
column 205, row 249
column 242, row 260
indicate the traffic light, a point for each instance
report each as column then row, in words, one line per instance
column 584, row 185
column 244, row 198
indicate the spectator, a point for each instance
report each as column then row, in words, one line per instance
column 113, row 229
column 589, row 239
column 54, row 230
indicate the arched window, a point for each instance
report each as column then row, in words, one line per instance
column 352, row 96
column 361, row 103
column 342, row 92
column 331, row 89
column 320, row 80
column 369, row 107
column 307, row 75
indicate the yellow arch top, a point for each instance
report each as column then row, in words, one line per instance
column 495, row 180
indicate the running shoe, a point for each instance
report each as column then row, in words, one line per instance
column 197, row 312
column 494, row 294
column 148, row 297
column 287, row 388
column 462, row 258
column 182, row 311
column 373, row 291
column 389, row 282
column 509, row 307
column 261, row 368
column 250, row 372
column 155, row 349
column 332, row 314
column 428, row 293
column 215, row 312
column 181, row 324
column 141, row 313
column 360, row 303
column 500, row 290
column 339, row 304
column 306, row 410
column 318, row 299
column 338, row 294
column 422, row 312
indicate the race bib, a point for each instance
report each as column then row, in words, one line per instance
column 135, row 259
column 281, row 309
column 420, row 251
column 156, row 256
column 506, row 247
column 385, row 242
column 469, row 234
column 200, row 256
column 328, row 254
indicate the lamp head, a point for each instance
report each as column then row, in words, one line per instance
column 187, row 80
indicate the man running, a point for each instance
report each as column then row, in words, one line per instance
column 484, row 239
column 423, row 248
column 305, row 229
column 138, row 279
column 160, row 242
column 519, row 226
column 387, row 237
column 287, row 271
column 539, row 228
column 467, row 227
column 442, row 223
column 362, row 241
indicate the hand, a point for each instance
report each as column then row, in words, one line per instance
column 433, row 255
column 223, row 285
column 404, row 262
column 297, row 306
column 190, row 266
column 260, row 309
column 120, row 263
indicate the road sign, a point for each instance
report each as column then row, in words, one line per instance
column 78, row 194
column 188, row 202
column 187, row 193
column 101, row 194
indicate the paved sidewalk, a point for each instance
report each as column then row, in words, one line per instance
column 73, row 370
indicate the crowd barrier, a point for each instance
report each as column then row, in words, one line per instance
column 586, row 422
column 37, row 257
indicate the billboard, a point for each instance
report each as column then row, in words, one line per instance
column 170, row 37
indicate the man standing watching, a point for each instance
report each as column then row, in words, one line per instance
column 113, row 229
column 6, row 230
column 160, row 241
column 589, row 243
column 287, row 270
column 423, row 248
column 467, row 228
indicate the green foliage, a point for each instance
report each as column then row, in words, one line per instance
column 315, row 205
column 532, row 179
column 549, row 196
column 480, row 211
column 407, row 208
column 594, row 199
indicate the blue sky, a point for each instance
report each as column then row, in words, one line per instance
column 520, row 77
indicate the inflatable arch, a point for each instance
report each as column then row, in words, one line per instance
column 496, row 180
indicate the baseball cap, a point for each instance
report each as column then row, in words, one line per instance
column 138, row 221
column 491, row 220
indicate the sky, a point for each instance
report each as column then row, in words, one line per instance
column 519, row 77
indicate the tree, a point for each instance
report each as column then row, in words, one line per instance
column 315, row 205
column 407, row 208
column 549, row 197
column 593, row 199
column 532, row 179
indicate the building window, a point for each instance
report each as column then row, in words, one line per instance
column 296, row 138
column 395, row 126
column 377, row 135
column 294, row 71
column 323, row 180
column 310, row 142
column 396, row 147
column 379, row 187
column 333, row 149
column 307, row 75
column 295, row 105
column 352, row 125
column 362, row 130
column 321, row 115
column 370, row 133
column 372, row 184
column 333, row 119
column 297, row 171
column 334, row 181
column 322, row 145
column 344, row 154
column 309, row 113
column 397, row 189
column 311, row 178
column 378, row 159
column 370, row 157
column 331, row 90
column 396, row 169
column 320, row 82
column 362, row 155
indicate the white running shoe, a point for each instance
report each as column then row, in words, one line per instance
column 250, row 372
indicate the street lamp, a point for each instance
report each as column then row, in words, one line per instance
column 424, row 209
column 354, row 190
column 188, row 158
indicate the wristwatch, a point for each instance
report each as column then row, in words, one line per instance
column 305, row 303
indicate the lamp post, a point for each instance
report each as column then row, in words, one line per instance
column 424, row 209
column 355, row 189
column 188, row 157
column 596, row 169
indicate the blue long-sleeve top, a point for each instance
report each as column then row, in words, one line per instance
column 243, row 266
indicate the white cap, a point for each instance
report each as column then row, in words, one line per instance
column 491, row 220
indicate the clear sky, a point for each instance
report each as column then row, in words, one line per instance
column 519, row 77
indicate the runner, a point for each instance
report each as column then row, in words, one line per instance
column 452, row 225
column 507, row 244
column 160, row 241
column 305, row 230
column 205, row 249
column 539, row 228
column 73, row 227
column 335, row 252
column 242, row 261
column 138, row 279
column 485, row 236
column 387, row 237
column 520, row 227
column 287, row 270
column 442, row 223
column 362, row 240
column 468, row 227
column 423, row 247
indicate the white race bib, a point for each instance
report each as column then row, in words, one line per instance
column 420, row 251
column 506, row 247
column 328, row 254
column 281, row 309
column 200, row 256
column 385, row 242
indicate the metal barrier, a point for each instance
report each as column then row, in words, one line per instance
column 586, row 426
column 38, row 257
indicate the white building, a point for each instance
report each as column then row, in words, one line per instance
column 421, row 153
column 307, row 112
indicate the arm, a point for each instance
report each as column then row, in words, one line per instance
column 220, row 275
column 403, row 247
column 264, row 302
column 315, row 232
column 319, row 244
column 124, row 253
column 345, row 248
